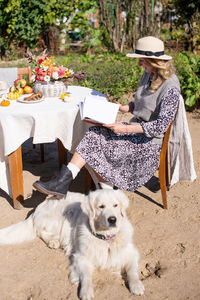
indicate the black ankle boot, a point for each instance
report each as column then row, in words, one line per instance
column 57, row 186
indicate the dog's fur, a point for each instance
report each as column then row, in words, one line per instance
column 93, row 230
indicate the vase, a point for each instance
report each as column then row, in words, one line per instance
column 51, row 89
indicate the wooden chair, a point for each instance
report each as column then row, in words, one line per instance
column 20, row 73
column 24, row 71
column 162, row 170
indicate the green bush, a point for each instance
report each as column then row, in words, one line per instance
column 188, row 71
column 112, row 74
column 116, row 75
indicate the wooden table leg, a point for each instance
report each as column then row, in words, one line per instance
column 62, row 153
column 16, row 177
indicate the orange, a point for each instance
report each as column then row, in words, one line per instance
column 5, row 102
column 28, row 89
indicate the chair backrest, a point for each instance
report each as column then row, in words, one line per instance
column 24, row 71
column 165, row 141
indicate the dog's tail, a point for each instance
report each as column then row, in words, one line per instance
column 18, row 233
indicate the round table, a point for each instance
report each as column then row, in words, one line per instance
column 45, row 121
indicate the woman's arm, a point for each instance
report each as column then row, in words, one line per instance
column 125, row 128
column 127, row 108
column 168, row 108
column 157, row 127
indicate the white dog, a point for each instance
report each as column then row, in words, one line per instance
column 93, row 230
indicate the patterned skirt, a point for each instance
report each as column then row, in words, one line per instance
column 125, row 160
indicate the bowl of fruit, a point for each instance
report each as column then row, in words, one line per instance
column 19, row 88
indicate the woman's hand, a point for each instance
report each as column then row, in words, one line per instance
column 117, row 127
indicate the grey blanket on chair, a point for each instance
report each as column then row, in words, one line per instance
column 9, row 75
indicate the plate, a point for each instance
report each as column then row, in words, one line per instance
column 21, row 99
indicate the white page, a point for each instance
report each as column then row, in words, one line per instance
column 99, row 110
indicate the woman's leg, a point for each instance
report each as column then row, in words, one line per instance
column 77, row 160
column 59, row 185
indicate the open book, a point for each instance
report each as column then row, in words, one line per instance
column 98, row 111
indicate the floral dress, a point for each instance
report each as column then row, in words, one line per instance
column 128, row 161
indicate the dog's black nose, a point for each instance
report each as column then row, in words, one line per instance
column 112, row 220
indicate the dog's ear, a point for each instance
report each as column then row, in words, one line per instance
column 124, row 202
column 88, row 205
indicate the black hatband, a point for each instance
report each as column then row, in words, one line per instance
column 149, row 53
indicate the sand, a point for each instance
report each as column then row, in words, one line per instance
column 168, row 240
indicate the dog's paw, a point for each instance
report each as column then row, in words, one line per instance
column 73, row 277
column 86, row 293
column 54, row 244
column 137, row 288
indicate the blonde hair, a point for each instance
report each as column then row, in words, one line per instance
column 163, row 70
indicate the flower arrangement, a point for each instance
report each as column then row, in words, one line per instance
column 46, row 69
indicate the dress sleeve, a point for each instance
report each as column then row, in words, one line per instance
column 168, row 108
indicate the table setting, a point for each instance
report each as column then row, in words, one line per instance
column 46, row 110
column 45, row 121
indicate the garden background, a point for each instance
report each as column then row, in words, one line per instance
column 94, row 37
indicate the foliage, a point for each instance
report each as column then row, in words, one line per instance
column 23, row 22
column 112, row 74
column 118, row 18
column 185, row 8
column 188, row 71
column 116, row 75
column 187, row 13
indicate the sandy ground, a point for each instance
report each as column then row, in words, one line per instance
column 168, row 240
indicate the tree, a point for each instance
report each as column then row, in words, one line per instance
column 23, row 22
column 126, row 20
column 118, row 17
column 188, row 13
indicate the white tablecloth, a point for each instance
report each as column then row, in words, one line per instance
column 45, row 121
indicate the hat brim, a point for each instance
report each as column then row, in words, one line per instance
column 135, row 55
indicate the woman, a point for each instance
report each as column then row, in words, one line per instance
column 127, row 155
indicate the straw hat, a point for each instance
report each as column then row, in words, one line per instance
column 149, row 47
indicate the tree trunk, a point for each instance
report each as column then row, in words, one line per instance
column 127, row 20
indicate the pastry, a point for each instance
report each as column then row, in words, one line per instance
column 33, row 97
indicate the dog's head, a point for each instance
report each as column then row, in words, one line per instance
column 106, row 209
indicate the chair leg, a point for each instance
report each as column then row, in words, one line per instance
column 42, row 152
column 162, row 179
column 88, row 180
column 167, row 172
